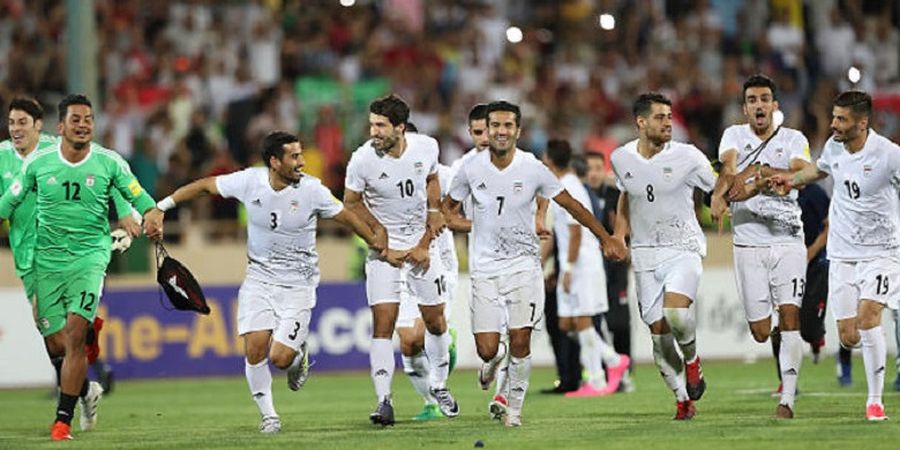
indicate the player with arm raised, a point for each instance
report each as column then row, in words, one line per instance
column 277, row 296
column 863, row 231
column 769, row 250
column 73, row 181
column 657, row 178
column 392, row 184
column 507, row 282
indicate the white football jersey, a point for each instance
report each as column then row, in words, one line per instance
column 394, row 188
column 864, row 217
column 661, row 200
column 281, row 225
column 503, row 233
column 589, row 253
column 766, row 219
column 445, row 242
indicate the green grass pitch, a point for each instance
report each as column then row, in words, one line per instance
column 332, row 412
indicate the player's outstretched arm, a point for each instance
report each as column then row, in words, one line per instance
column 361, row 228
column 719, row 205
column 452, row 214
column 540, row 218
column 586, row 218
column 353, row 201
column 622, row 226
column 782, row 183
column 153, row 219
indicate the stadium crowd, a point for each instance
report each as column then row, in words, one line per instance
column 189, row 87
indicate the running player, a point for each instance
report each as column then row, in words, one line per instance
column 507, row 282
column 277, row 296
column 769, row 250
column 392, row 184
column 73, row 181
column 657, row 178
column 863, row 231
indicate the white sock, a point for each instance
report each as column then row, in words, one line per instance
column 669, row 363
column 683, row 322
column 590, row 357
column 790, row 357
column 607, row 352
column 874, row 350
column 437, row 347
column 259, row 378
column 417, row 368
column 502, row 387
column 519, row 372
column 381, row 360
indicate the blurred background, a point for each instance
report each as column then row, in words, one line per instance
column 186, row 89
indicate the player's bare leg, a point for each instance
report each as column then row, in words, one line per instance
column 491, row 352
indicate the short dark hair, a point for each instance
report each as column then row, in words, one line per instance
column 579, row 165
column 411, row 127
column 505, row 106
column 29, row 105
column 858, row 102
column 559, row 152
column 273, row 145
column 645, row 102
column 478, row 112
column 69, row 100
column 758, row 80
column 392, row 107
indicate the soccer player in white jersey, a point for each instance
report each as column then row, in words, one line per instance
column 863, row 233
column 769, row 249
column 411, row 327
column 276, row 299
column 507, row 282
column 657, row 178
column 581, row 290
column 392, row 184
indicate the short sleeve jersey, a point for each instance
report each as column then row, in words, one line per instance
column 72, row 204
column 394, row 189
column 864, row 213
column 503, row 233
column 22, row 225
column 766, row 219
column 589, row 254
column 281, row 225
column 660, row 200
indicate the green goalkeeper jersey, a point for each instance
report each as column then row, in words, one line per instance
column 71, row 204
column 22, row 229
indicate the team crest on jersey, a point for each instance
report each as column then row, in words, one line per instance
column 256, row 202
column 51, row 181
column 518, row 186
column 7, row 175
column 16, row 188
column 628, row 175
column 779, row 153
column 295, row 205
column 419, row 167
column 667, row 173
column 867, row 170
column 89, row 181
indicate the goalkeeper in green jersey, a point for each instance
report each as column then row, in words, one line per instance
column 71, row 182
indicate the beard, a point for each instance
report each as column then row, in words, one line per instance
column 387, row 143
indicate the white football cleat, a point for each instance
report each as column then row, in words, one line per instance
column 89, row 404
column 270, row 424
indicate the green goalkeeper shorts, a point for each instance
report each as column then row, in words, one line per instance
column 61, row 293
column 28, row 281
